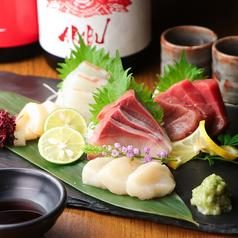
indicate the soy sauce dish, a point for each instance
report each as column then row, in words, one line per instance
column 30, row 202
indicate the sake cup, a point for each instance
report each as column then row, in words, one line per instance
column 225, row 67
column 196, row 41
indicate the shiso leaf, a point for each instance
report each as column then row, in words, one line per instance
column 177, row 73
column 119, row 83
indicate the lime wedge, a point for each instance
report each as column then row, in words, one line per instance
column 61, row 145
column 66, row 117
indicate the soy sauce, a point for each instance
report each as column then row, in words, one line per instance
column 19, row 210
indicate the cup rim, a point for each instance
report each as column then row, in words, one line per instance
column 204, row 29
column 218, row 52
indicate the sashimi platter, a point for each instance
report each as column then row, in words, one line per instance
column 167, row 156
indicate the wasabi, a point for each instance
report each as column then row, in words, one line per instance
column 212, row 197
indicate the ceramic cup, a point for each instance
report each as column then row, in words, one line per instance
column 196, row 41
column 225, row 67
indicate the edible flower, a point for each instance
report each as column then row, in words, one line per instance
column 130, row 152
column 148, row 158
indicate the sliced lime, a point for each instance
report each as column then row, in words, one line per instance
column 61, row 145
column 66, row 117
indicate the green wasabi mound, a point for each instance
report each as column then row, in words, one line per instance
column 212, row 197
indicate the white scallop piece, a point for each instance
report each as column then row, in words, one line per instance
column 150, row 180
column 91, row 169
column 114, row 175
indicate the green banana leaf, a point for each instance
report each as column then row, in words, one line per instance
column 169, row 206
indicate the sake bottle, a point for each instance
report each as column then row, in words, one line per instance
column 123, row 25
column 18, row 30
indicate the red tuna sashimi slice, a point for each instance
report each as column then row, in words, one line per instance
column 132, row 105
column 118, row 114
column 188, row 93
column 209, row 89
column 180, row 119
column 109, row 131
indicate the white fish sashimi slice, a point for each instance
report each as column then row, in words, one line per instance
column 91, row 169
column 79, row 100
column 89, row 83
column 150, row 180
column 77, row 88
column 86, row 77
column 82, row 81
column 92, row 70
column 114, row 175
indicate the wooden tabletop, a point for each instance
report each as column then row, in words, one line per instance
column 220, row 16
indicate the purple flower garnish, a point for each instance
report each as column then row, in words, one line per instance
column 124, row 150
column 130, row 154
column 117, row 146
column 130, row 148
column 136, row 151
column 115, row 153
column 162, row 154
column 148, row 158
column 147, row 150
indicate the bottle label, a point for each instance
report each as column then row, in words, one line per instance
column 18, row 23
column 120, row 24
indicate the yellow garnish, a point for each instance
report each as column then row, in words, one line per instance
column 185, row 149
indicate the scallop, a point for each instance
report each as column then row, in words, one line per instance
column 91, row 169
column 150, row 180
column 114, row 175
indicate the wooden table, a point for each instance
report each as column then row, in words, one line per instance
column 222, row 17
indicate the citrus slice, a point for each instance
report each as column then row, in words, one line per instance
column 61, row 145
column 185, row 149
column 209, row 146
column 66, row 117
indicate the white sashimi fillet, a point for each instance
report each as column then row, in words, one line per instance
column 79, row 100
column 91, row 169
column 114, row 175
column 92, row 70
column 150, row 180
column 78, row 87
column 85, row 77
